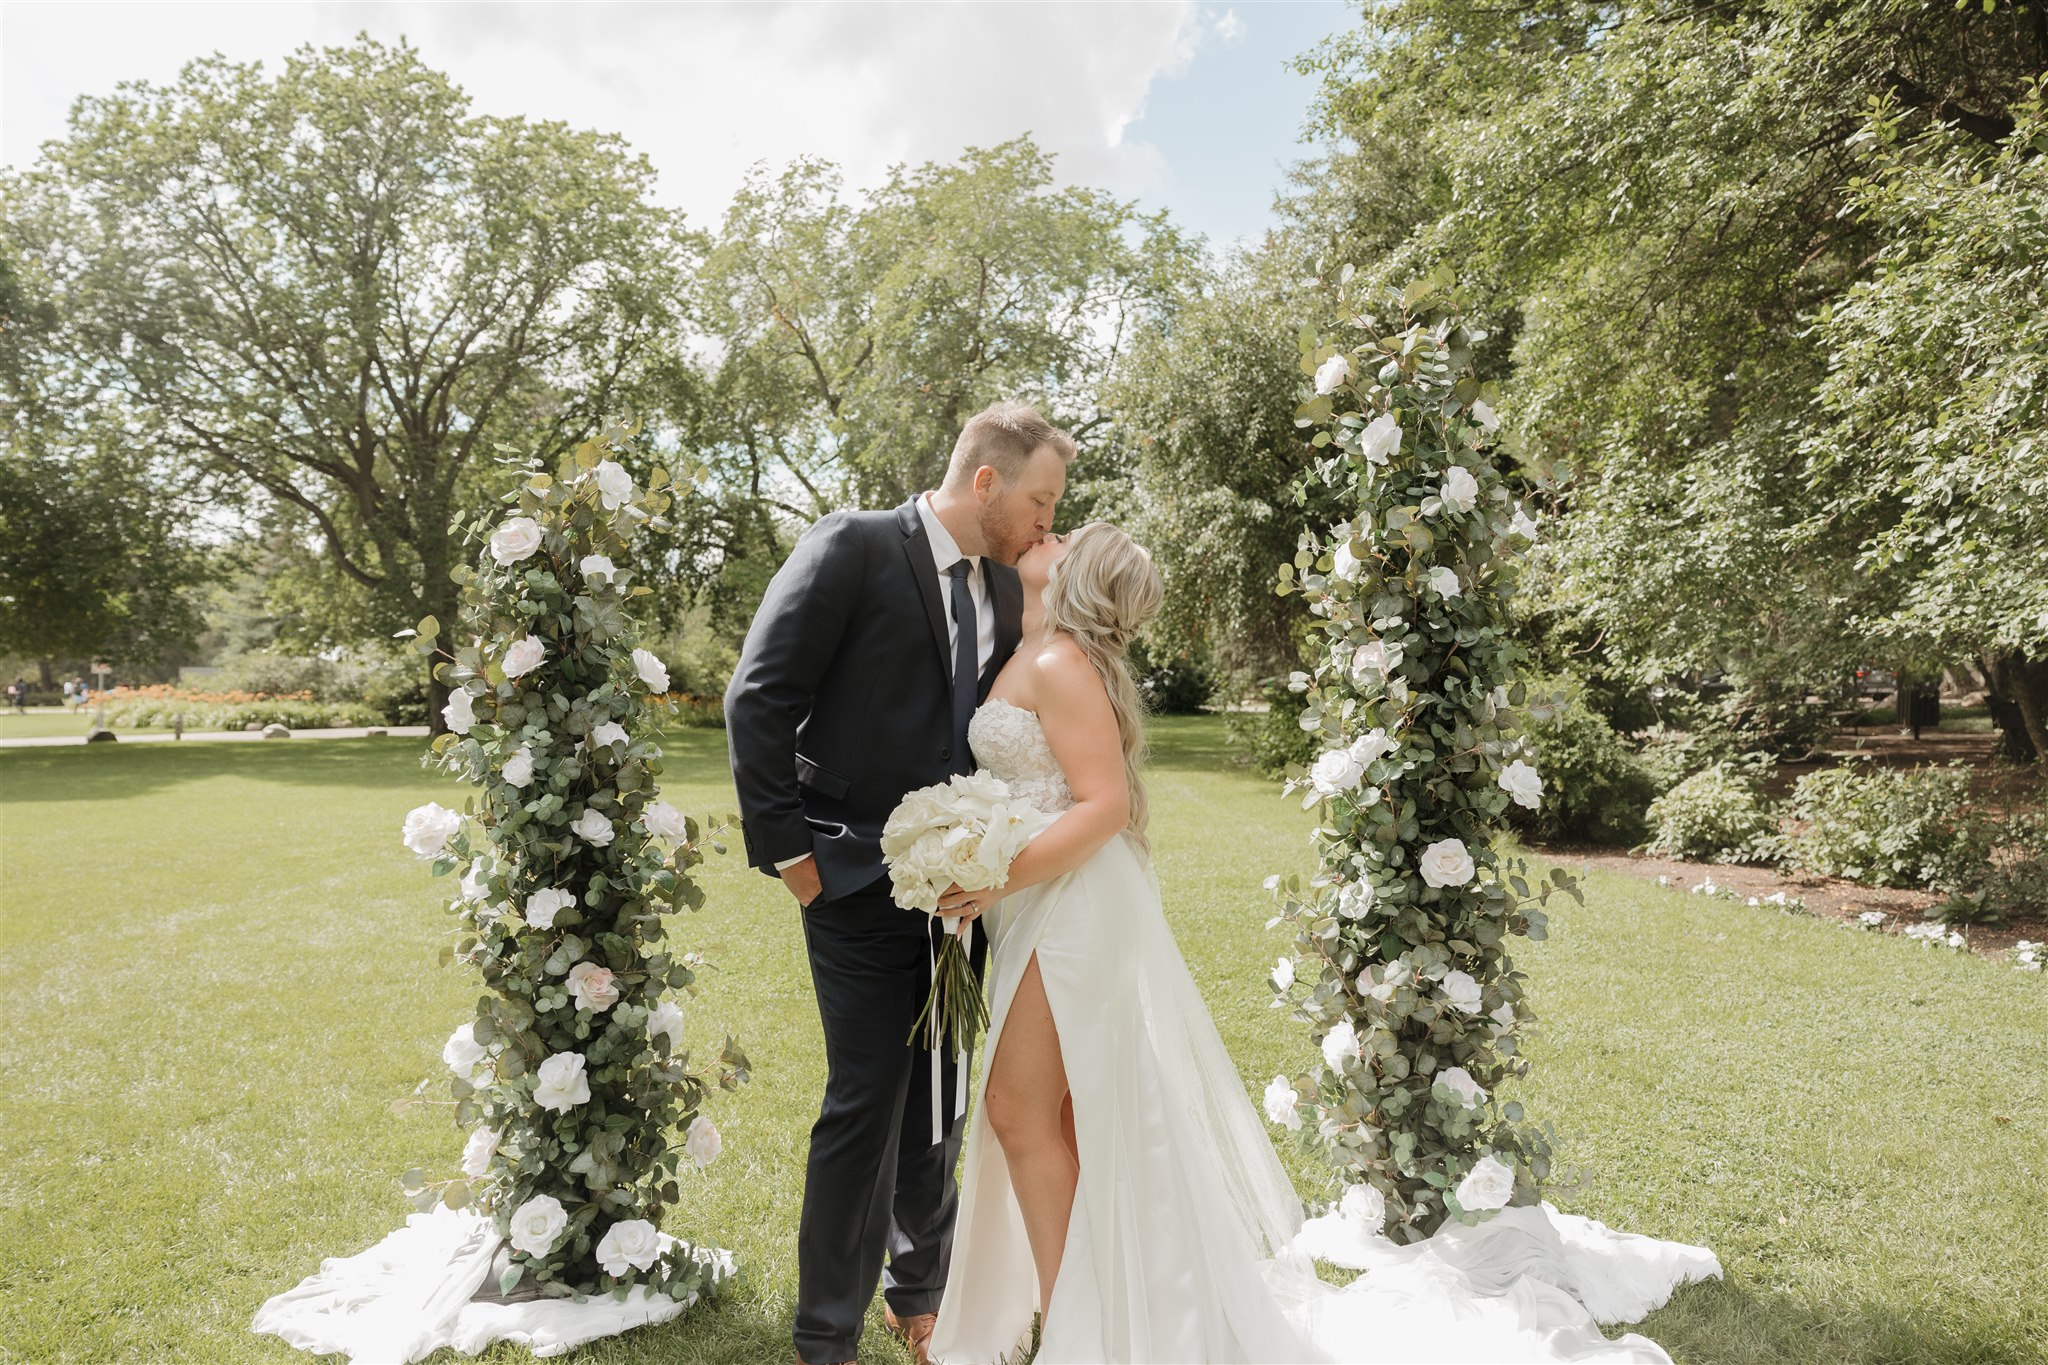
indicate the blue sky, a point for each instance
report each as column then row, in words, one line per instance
column 1230, row 123
column 1179, row 104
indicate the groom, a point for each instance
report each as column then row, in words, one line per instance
column 874, row 643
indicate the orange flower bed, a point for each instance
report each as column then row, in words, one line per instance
column 171, row 692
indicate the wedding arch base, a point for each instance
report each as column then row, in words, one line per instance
column 430, row 1285
column 1528, row 1284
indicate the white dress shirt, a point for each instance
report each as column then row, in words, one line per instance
column 945, row 553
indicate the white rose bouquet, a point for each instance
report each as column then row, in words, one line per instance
column 963, row 832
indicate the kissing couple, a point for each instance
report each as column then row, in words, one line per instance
column 1118, row 1186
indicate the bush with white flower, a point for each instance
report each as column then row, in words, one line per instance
column 582, row 1106
column 1402, row 933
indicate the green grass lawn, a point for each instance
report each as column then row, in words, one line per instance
column 41, row 721
column 221, row 975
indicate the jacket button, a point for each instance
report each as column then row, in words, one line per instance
column 946, row 752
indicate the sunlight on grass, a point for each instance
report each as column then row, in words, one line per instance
column 223, row 976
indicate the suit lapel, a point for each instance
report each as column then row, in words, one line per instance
column 917, row 547
column 1006, row 598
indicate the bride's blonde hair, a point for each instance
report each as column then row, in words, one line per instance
column 1100, row 594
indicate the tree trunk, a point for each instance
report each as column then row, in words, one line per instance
column 49, row 683
column 2019, row 703
column 442, row 603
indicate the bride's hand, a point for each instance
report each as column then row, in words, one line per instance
column 966, row 906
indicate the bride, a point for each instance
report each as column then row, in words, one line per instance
column 1118, row 1183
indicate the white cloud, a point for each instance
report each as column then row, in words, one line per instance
column 1228, row 26
column 704, row 91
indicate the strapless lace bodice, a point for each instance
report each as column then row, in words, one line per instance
column 1009, row 742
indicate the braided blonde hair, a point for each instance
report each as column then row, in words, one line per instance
column 1099, row 595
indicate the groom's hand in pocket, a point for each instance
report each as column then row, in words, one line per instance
column 802, row 881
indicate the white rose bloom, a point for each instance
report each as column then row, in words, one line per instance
column 1446, row 863
column 630, row 1245
column 1459, row 1082
column 1333, row 372
column 1444, row 580
column 1462, row 991
column 1283, row 973
column 593, row 827
column 702, row 1143
column 666, row 1019
column 1281, row 1102
column 460, row 712
column 1339, row 1043
column 1346, row 565
column 428, row 829
column 592, row 987
column 1365, row 1204
column 543, row 905
column 1483, row 413
column 1522, row 526
column 464, row 1055
column 614, row 484
column 607, row 732
column 1373, row 661
column 597, row 566
column 664, row 821
column 1372, row 746
column 1522, row 782
column 525, row 655
column 476, row 882
column 1488, row 1185
column 1354, row 900
column 537, row 1223
column 1381, row 438
column 1460, row 489
column 559, row 1082
column 515, row 540
column 518, row 769
column 1336, row 771
column 477, row 1153
column 652, row 671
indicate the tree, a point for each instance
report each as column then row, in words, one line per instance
column 857, row 338
column 1932, row 455
column 92, row 564
column 1655, row 207
column 336, row 291
column 1204, row 407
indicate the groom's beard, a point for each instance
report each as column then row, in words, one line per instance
column 1005, row 545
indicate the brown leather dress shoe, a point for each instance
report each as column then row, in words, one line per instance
column 915, row 1332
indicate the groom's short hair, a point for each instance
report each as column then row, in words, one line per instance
column 1003, row 435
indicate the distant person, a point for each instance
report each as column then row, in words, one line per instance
column 18, row 694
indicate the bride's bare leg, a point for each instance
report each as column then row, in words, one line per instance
column 1028, row 1109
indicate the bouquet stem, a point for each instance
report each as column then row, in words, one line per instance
column 955, row 1008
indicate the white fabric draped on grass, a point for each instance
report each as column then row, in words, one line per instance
column 414, row 1292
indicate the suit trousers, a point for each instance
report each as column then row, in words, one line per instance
column 875, row 1182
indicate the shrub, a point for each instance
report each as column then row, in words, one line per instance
column 1891, row 827
column 1172, row 685
column 1596, row 788
column 1769, row 717
column 1273, row 738
column 161, row 706
column 1718, row 814
column 683, row 711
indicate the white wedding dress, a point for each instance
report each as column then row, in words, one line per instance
column 1186, row 1242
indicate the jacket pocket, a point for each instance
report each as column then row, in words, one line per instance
column 820, row 779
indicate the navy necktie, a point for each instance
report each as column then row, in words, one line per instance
column 966, row 682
